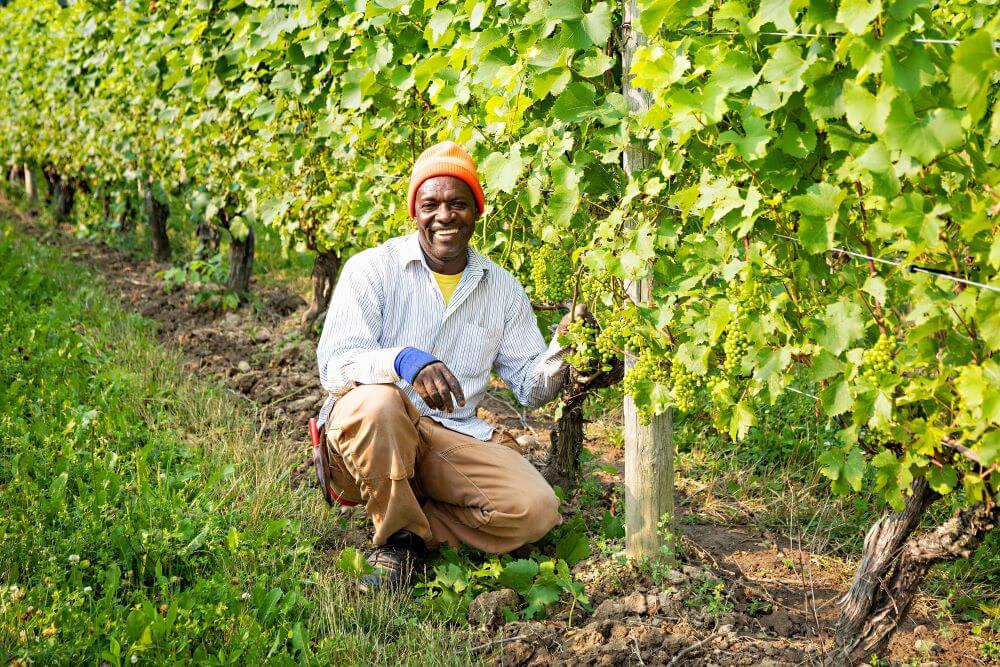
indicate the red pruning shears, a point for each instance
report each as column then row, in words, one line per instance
column 321, row 462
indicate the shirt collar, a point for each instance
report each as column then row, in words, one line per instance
column 411, row 252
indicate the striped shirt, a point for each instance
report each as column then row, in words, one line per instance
column 386, row 299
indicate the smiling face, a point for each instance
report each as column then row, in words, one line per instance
column 446, row 220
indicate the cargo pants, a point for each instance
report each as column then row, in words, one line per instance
column 414, row 474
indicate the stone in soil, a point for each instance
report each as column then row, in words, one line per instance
column 487, row 609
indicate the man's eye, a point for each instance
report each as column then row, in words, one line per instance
column 458, row 204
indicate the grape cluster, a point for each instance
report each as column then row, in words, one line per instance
column 592, row 288
column 580, row 337
column 550, row 274
column 621, row 332
column 647, row 370
column 683, row 385
column 880, row 360
column 735, row 347
column 746, row 297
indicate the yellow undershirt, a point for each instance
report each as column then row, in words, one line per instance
column 447, row 284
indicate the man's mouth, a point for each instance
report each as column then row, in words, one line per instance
column 446, row 234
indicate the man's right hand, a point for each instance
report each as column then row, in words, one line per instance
column 435, row 384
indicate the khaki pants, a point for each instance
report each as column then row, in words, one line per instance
column 414, row 474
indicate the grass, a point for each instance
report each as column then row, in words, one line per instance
column 144, row 519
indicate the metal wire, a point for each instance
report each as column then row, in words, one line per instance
column 911, row 268
column 917, row 40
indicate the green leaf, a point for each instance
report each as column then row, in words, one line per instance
column 855, row 15
column 942, row 480
column 776, row 12
column 565, row 9
column 597, row 23
column 593, row 64
column 575, row 103
column 818, row 210
column 519, row 575
column 972, row 385
column 501, row 172
column 741, row 421
column 843, row 324
column 573, row 548
column 972, row 63
column 751, row 145
column 845, row 470
column 353, row 562
column 785, row 67
column 539, row 597
column 565, row 192
column 923, row 137
column 836, row 399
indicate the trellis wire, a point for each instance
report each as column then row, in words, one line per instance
column 911, row 268
column 916, row 40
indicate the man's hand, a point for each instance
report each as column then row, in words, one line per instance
column 580, row 312
column 435, row 384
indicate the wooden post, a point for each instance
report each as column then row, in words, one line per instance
column 29, row 183
column 649, row 450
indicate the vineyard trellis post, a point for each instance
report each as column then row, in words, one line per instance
column 649, row 449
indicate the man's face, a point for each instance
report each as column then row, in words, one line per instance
column 446, row 217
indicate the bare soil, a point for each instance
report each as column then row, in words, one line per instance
column 781, row 599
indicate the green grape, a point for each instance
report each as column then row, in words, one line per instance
column 735, row 348
column 551, row 273
column 683, row 386
column 647, row 370
column 579, row 336
column 880, row 359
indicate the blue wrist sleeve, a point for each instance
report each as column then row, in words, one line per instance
column 410, row 361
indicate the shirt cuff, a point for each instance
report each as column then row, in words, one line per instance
column 410, row 361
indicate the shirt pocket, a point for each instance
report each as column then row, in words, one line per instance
column 476, row 349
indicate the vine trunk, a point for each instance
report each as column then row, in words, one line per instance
column 158, row 213
column 326, row 267
column 892, row 567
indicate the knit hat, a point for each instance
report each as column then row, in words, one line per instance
column 444, row 159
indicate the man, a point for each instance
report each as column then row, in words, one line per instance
column 414, row 328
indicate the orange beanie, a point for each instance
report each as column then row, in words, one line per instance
column 444, row 159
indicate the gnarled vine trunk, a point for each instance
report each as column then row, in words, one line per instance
column 892, row 567
column 158, row 212
column 562, row 467
column 241, row 263
column 65, row 196
column 209, row 239
column 326, row 266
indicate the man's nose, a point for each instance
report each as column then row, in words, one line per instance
column 442, row 214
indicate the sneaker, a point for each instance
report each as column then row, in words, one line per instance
column 393, row 562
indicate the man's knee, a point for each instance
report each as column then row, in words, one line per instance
column 370, row 402
column 534, row 512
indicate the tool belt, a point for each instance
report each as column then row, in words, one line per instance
column 324, row 471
